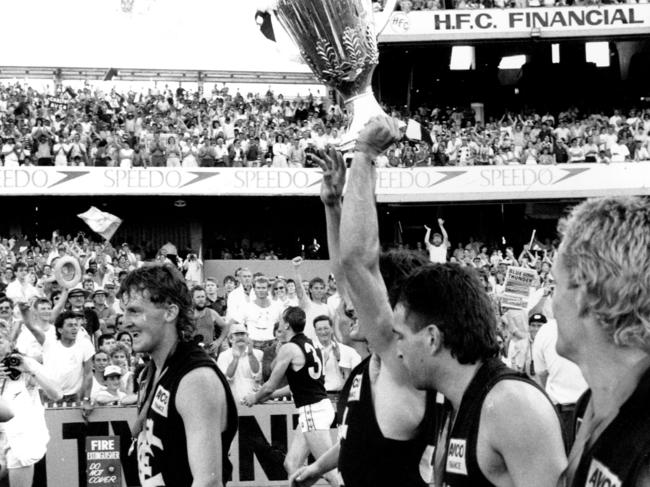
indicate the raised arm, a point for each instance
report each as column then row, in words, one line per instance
column 26, row 313
column 331, row 193
column 303, row 298
column 445, row 237
column 360, row 246
column 427, row 236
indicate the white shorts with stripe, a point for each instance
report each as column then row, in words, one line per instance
column 317, row 416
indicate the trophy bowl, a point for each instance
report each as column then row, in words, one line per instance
column 338, row 41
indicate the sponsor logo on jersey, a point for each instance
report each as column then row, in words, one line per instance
column 456, row 456
column 601, row 476
column 355, row 389
column 160, row 402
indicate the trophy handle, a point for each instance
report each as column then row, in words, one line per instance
column 381, row 19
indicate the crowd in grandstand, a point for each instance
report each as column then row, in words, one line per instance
column 235, row 316
column 178, row 128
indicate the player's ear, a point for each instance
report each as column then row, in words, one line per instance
column 171, row 312
column 434, row 338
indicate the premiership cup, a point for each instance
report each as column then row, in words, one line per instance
column 338, row 41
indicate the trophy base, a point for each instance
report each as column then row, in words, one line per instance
column 362, row 108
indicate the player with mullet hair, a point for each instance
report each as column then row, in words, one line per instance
column 602, row 307
column 187, row 416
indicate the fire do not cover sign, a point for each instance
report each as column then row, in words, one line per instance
column 103, row 461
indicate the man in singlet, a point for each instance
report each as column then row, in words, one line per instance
column 443, row 333
column 187, row 416
column 302, row 363
column 387, row 428
column 602, row 307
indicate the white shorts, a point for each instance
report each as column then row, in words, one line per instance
column 317, row 416
column 21, row 451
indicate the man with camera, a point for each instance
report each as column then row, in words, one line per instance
column 24, row 438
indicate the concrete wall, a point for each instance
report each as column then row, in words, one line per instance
column 309, row 269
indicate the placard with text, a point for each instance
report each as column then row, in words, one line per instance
column 103, row 461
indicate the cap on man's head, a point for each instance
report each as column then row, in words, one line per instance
column 77, row 292
column 238, row 328
column 112, row 370
column 99, row 291
column 537, row 318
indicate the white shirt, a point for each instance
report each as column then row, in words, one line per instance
column 314, row 310
column 27, row 429
column 437, row 253
column 236, row 301
column 21, row 293
column 565, row 383
column 243, row 382
column 332, row 369
column 27, row 344
column 333, row 303
column 66, row 364
column 259, row 320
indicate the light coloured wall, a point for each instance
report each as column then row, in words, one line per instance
column 309, row 269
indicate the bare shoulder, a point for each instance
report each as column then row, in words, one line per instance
column 202, row 383
column 510, row 397
column 515, row 409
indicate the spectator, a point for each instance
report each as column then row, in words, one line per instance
column 311, row 300
column 239, row 296
column 338, row 359
column 105, row 313
column 241, row 363
column 25, row 435
column 259, row 315
column 100, row 360
column 111, row 393
column 210, row 328
column 20, row 290
column 68, row 357
column 561, row 378
column 439, row 247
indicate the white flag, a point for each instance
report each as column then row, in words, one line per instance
column 101, row 222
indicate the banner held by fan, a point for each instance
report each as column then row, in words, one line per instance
column 101, row 222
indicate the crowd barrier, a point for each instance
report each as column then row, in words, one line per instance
column 257, row 453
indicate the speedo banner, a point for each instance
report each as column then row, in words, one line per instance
column 422, row 184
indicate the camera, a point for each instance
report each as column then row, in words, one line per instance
column 11, row 362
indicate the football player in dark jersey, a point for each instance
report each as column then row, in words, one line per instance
column 187, row 416
column 387, row 428
column 302, row 364
column 602, row 306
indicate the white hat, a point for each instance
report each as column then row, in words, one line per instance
column 237, row 328
column 112, row 370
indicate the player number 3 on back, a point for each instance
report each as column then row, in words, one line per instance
column 316, row 370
